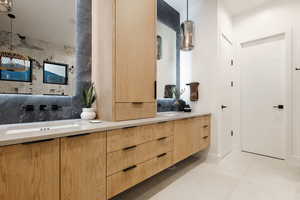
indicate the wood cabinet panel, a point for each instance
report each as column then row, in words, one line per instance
column 130, row 111
column 123, row 180
column 122, row 159
column 83, row 167
column 183, row 139
column 126, row 137
column 135, row 50
column 30, row 171
column 163, row 129
column 191, row 136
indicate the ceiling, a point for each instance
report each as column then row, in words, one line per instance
column 48, row 20
column 235, row 7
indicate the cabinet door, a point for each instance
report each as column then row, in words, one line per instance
column 83, row 167
column 30, row 171
column 197, row 134
column 135, row 50
column 183, row 140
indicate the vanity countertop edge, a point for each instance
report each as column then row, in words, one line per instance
column 84, row 127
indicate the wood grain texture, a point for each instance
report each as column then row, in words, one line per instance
column 122, row 159
column 83, row 167
column 122, row 138
column 121, row 181
column 135, row 50
column 124, row 63
column 130, row 111
column 191, row 136
column 30, row 172
column 103, row 56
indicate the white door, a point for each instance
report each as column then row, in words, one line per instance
column 263, row 95
column 225, row 89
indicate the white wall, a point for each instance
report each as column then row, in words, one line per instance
column 200, row 64
column 166, row 66
column 275, row 17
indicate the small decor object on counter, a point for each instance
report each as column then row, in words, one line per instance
column 194, row 91
column 187, row 108
column 89, row 97
column 169, row 91
column 179, row 103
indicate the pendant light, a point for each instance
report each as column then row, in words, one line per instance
column 187, row 33
column 10, row 57
column 6, row 6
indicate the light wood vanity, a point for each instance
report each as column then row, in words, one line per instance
column 98, row 166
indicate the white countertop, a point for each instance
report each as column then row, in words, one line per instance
column 76, row 127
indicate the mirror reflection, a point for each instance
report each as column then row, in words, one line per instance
column 166, row 61
column 37, row 48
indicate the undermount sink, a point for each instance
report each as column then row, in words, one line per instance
column 168, row 114
column 39, row 128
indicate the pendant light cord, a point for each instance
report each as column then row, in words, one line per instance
column 187, row 10
column 11, row 34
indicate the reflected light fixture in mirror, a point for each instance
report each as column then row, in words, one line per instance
column 187, row 33
column 6, row 6
column 10, row 61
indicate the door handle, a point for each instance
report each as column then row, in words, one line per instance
column 280, row 107
column 223, row 107
column 297, row 69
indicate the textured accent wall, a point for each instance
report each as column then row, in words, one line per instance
column 12, row 106
column 41, row 51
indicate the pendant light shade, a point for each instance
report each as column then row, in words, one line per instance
column 187, row 33
column 6, row 6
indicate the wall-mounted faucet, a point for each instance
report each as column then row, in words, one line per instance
column 43, row 107
column 28, row 108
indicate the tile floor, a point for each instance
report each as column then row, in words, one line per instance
column 239, row 176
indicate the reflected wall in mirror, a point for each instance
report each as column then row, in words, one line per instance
column 31, row 36
column 166, row 65
column 168, row 62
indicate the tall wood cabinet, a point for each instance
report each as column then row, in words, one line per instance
column 124, row 58
column 30, row 171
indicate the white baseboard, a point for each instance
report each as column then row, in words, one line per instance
column 293, row 160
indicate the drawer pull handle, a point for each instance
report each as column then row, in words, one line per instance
column 80, row 135
column 129, row 168
column 162, row 122
column 39, row 141
column 163, row 138
column 128, row 148
column 137, row 102
column 161, row 155
column 205, row 126
column 205, row 137
column 130, row 127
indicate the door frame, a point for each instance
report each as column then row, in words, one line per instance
column 288, row 84
column 221, row 154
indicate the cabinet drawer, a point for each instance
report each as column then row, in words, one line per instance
column 206, row 126
column 129, row 111
column 205, row 142
column 135, row 174
column 118, row 160
column 163, row 129
column 127, row 137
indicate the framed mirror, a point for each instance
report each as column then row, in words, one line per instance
column 38, row 48
column 55, row 73
column 14, row 69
